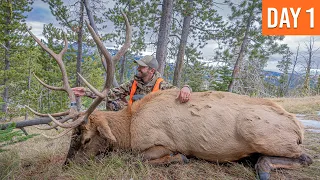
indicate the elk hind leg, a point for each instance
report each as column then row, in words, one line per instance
column 159, row 155
column 267, row 163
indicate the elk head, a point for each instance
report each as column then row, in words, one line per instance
column 92, row 138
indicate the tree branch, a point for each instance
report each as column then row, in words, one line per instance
column 32, row 122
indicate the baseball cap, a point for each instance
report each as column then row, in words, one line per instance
column 149, row 61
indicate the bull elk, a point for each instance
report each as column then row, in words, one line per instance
column 214, row 126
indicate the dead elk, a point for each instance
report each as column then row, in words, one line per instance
column 214, row 126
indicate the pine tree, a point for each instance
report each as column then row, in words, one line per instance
column 284, row 66
column 245, row 38
column 201, row 23
column 221, row 75
column 11, row 35
column 309, row 59
column 11, row 136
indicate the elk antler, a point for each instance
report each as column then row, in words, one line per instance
column 127, row 43
column 66, row 87
column 73, row 113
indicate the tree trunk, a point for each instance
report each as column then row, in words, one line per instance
column 236, row 69
column 49, row 99
column 163, row 36
column 122, row 68
column 306, row 84
column 6, row 69
column 29, row 87
column 293, row 69
column 182, row 45
column 5, row 94
column 40, row 100
column 79, row 53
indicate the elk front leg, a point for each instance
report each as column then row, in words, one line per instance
column 267, row 163
column 159, row 155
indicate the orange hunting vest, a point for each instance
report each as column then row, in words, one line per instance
column 134, row 88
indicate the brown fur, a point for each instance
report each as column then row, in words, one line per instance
column 215, row 126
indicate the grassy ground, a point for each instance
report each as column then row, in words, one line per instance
column 306, row 105
column 40, row 158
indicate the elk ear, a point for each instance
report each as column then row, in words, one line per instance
column 105, row 131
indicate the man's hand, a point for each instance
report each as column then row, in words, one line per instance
column 79, row 91
column 184, row 94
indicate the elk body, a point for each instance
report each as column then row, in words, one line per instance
column 215, row 126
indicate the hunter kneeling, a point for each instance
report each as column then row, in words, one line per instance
column 147, row 80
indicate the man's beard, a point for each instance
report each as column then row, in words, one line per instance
column 141, row 74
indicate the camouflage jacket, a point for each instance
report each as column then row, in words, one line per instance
column 116, row 98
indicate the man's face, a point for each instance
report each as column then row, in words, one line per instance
column 144, row 71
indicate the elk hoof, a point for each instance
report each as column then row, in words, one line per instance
column 305, row 160
column 263, row 176
column 184, row 159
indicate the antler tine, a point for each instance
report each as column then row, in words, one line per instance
column 95, row 103
column 52, row 127
column 46, row 115
column 59, row 135
column 93, row 89
column 71, row 125
column 47, row 128
column 109, row 70
column 65, row 79
column 109, row 62
column 58, row 58
column 48, row 86
column 106, row 54
column 127, row 43
column 44, row 47
column 65, row 48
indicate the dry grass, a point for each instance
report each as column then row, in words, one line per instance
column 40, row 158
column 307, row 105
column 36, row 158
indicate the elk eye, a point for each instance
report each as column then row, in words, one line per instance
column 87, row 141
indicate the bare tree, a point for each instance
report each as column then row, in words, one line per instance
column 183, row 43
column 309, row 59
column 293, row 68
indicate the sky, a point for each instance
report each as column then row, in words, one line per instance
column 41, row 15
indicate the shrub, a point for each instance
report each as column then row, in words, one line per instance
column 11, row 136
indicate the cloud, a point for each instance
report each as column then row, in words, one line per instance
column 40, row 13
column 37, row 28
column 294, row 41
column 272, row 66
column 208, row 50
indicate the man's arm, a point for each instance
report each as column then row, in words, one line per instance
column 119, row 93
column 115, row 98
column 115, row 93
